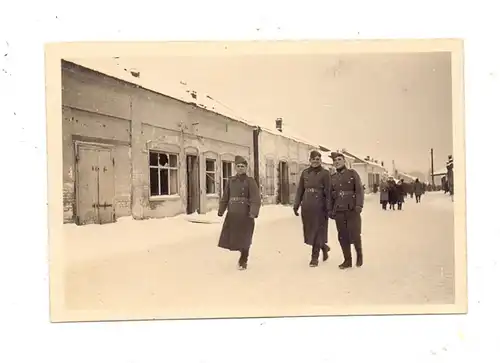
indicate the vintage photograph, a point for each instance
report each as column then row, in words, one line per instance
column 258, row 179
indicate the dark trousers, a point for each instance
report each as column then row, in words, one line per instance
column 349, row 232
column 316, row 249
column 346, row 251
column 400, row 205
column 384, row 205
column 244, row 253
column 417, row 198
column 391, row 206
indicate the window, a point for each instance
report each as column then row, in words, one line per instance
column 210, row 176
column 163, row 174
column 227, row 172
column 269, row 177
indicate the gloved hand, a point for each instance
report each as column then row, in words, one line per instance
column 296, row 211
column 358, row 209
column 220, row 214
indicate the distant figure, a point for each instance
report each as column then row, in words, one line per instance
column 314, row 199
column 419, row 190
column 241, row 198
column 450, row 176
column 384, row 194
column 393, row 194
column 347, row 204
column 400, row 188
column 411, row 189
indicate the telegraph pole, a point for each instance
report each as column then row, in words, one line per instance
column 432, row 168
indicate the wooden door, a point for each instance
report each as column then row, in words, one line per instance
column 286, row 184
column 106, row 187
column 193, row 184
column 95, row 185
column 87, row 191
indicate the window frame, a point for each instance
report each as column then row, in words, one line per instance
column 213, row 173
column 168, row 168
column 222, row 178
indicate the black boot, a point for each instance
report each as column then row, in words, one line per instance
column 346, row 250
column 315, row 256
column 243, row 261
column 325, row 250
column 359, row 254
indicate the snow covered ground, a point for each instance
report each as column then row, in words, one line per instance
column 127, row 235
column 173, row 267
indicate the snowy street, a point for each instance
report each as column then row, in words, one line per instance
column 133, row 266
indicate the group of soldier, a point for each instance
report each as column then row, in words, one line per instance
column 394, row 193
column 320, row 196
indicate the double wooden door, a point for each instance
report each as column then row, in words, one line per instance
column 95, row 184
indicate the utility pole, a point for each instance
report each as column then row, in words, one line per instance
column 432, row 168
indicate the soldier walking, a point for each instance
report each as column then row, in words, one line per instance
column 400, row 188
column 241, row 198
column 347, row 205
column 450, row 176
column 314, row 199
column 384, row 193
column 419, row 190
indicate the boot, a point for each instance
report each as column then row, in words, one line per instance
column 325, row 250
column 315, row 256
column 359, row 254
column 243, row 261
column 346, row 250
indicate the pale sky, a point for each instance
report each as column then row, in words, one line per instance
column 388, row 106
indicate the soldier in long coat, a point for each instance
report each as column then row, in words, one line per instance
column 241, row 198
column 347, row 201
column 419, row 190
column 384, row 194
column 400, row 188
column 314, row 199
column 393, row 194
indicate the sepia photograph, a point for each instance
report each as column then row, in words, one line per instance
column 255, row 179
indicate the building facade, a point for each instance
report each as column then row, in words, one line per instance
column 406, row 177
column 282, row 158
column 128, row 150
column 326, row 161
column 371, row 174
column 370, row 171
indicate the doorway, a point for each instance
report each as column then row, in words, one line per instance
column 193, row 184
column 284, row 184
column 95, row 184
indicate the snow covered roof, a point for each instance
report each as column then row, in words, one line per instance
column 441, row 171
column 362, row 160
column 180, row 90
column 287, row 134
column 407, row 175
column 177, row 89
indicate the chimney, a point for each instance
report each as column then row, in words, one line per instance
column 279, row 124
column 367, row 158
column 382, row 163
